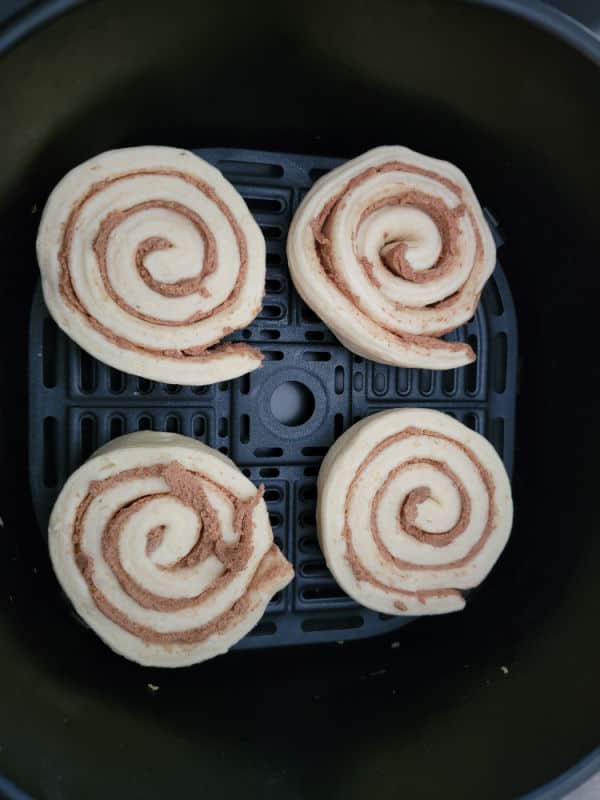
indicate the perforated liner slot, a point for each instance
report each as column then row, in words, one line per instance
column 276, row 423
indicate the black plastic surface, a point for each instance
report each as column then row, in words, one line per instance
column 278, row 422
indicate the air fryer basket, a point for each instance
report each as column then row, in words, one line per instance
column 491, row 702
column 278, row 424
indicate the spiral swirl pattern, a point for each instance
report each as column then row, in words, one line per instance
column 149, row 257
column 392, row 251
column 165, row 549
column 413, row 507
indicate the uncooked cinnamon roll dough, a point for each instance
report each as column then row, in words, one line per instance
column 392, row 251
column 149, row 257
column 165, row 549
column 413, row 508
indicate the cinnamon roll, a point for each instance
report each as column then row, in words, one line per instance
column 165, row 549
column 413, row 509
column 149, row 257
column 392, row 251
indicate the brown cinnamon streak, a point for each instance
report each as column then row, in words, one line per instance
column 111, row 221
column 407, row 516
column 187, row 487
column 393, row 255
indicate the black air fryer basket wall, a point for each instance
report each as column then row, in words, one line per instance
column 491, row 702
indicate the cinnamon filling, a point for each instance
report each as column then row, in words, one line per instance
column 155, row 539
column 393, row 254
column 187, row 487
column 409, row 510
column 408, row 515
column 150, row 244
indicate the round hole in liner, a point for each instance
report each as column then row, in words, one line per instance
column 292, row 403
